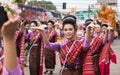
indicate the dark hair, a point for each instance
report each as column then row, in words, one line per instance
column 35, row 22
column 98, row 22
column 70, row 16
column 87, row 22
column 104, row 24
column 52, row 22
column 70, row 20
column 3, row 16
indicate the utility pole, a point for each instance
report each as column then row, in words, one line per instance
column 34, row 2
column 89, row 11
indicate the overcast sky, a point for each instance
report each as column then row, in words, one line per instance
column 78, row 4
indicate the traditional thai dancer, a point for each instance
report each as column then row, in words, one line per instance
column 50, row 54
column 35, row 49
column 70, row 49
column 107, row 53
column 91, row 60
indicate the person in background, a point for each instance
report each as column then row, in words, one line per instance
column 50, row 54
column 107, row 53
column 92, row 54
column 80, row 32
column 35, row 39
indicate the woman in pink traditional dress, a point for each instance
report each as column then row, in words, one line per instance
column 70, row 49
column 107, row 53
column 91, row 60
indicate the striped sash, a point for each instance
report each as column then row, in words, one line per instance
column 88, row 65
column 22, row 48
column 96, row 44
column 73, row 54
column 41, row 57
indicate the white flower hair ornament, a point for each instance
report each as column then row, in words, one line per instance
column 10, row 5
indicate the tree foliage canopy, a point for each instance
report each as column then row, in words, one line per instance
column 43, row 4
column 20, row 1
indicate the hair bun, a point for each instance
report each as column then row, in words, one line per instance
column 69, row 20
column 52, row 22
column 87, row 22
column 105, row 24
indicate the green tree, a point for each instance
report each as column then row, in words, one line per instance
column 43, row 4
column 20, row 1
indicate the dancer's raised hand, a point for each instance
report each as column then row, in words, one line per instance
column 40, row 28
column 9, row 27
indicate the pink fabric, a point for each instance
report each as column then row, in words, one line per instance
column 104, row 62
column 41, row 70
column 107, row 68
column 102, row 66
column 15, row 71
column 112, row 56
column 22, row 48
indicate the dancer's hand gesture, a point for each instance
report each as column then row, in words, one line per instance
column 9, row 27
column 40, row 28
